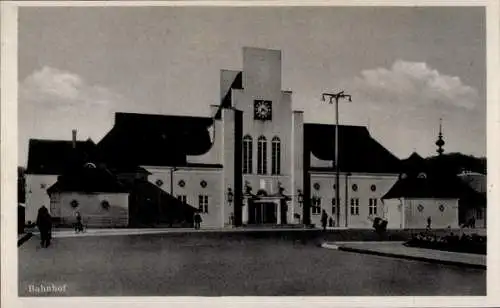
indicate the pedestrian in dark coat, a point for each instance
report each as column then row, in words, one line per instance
column 197, row 220
column 330, row 222
column 324, row 219
column 44, row 223
column 79, row 223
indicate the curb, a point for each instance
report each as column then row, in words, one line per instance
column 24, row 239
column 330, row 246
column 169, row 232
column 414, row 258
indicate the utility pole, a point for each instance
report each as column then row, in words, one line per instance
column 334, row 98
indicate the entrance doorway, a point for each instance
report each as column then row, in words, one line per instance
column 262, row 213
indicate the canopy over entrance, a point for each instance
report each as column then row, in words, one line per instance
column 264, row 208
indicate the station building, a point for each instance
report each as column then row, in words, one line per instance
column 253, row 161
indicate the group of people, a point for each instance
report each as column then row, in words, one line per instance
column 326, row 220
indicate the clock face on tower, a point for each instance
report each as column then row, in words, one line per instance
column 262, row 110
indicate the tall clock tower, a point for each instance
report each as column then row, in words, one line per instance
column 271, row 130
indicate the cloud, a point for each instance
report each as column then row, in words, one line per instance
column 413, row 83
column 57, row 88
column 52, row 102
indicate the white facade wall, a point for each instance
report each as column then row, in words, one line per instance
column 363, row 193
column 192, row 189
column 393, row 213
column 416, row 216
column 91, row 209
column 36, row 193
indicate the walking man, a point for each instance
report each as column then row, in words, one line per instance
column 44, row 223
column 324, row 219
column 79, row 224
column 197, row 221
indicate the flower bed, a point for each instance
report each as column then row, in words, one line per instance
column 465, row 243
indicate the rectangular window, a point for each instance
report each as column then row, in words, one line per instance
column 247, row 155
column 203, row 203
column 335, row 205
column 355, row 206
column 372, row 206
column 316, row 206
column 182, row 198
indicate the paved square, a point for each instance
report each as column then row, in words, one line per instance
column 190, row 265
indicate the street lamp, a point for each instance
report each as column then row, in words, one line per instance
column 334, row 98
column 300, row 197
column 230, row 196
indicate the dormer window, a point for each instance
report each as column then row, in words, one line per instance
column 422, row 175
column 90, row 165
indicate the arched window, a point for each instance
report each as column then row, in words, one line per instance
column 247, row 154
column 276, row 156
column 262, row 155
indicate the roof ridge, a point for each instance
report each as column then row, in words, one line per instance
column 59, row 140
column 333, row 125
column 160, row 115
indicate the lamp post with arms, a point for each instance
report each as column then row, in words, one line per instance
column 334, row 98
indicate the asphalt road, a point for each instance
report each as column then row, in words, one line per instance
column 156, row 265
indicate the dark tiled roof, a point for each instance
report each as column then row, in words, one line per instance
column 125, row 168
column 155, row 140
column 432, row 187
column 87, row 180
column 358, row 151
column 475, row 180
column 423, row 179
column 54, row 156
column 198, row 165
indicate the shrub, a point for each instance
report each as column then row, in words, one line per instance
column 466, row 243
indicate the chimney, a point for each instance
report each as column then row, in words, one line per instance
column 74, row 139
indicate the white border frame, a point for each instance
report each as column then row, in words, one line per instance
column 8, row 191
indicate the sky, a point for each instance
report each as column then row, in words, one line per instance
column 405, row 68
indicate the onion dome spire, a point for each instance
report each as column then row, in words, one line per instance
column 440, row 142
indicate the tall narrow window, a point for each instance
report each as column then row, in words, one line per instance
column 334, row 205
column 276, row 156
column 203, row 203
column 247, row 154
column 262, row 155
column 182, row 198
column 316, row 205
column 355, row 206
column 372, row 206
